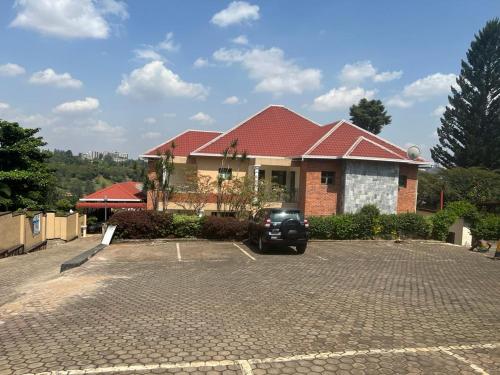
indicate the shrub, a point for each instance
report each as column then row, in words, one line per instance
column 141, row 224
column 387, row 226
column 487, row 228
column 442, row 220
column 366, row 220
column 186, row 226
column 224, row 228
column 413, row 225
column 320, row 227
column 344, row 227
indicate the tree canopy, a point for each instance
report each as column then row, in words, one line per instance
column 370, row 115
column 469, row 135
column 24, row 172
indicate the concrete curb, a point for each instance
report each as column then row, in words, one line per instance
column 81, row 258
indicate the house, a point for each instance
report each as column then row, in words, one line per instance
column 326, row 169
column 122, row 195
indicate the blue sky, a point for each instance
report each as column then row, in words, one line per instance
column 126, row 75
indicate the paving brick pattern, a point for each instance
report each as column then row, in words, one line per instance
column 138, row 305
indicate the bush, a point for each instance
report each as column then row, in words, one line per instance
column 224, row 228
column 487, row 228
column 413, row 225
column 186, row 226
column 442, row 220
column 141, row 224
column 366, row 220
column 344, row 227
column 320, row 227
column 387, row 226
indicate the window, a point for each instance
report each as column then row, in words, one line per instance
column 402, row 181
column 262, row 174
column 278, row 177
column 225, row 173
column 327, row 178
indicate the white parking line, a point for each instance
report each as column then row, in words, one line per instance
column 178, row 246
column 244, row 251
column 246, row 364
column 476, row 368
column 245, row 367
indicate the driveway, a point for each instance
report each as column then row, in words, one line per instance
column 222, row 308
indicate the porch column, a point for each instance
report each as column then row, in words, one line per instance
column 256, row 169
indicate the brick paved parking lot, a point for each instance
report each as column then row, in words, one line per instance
column 222, row 308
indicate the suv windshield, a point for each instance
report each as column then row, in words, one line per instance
column 278, row 216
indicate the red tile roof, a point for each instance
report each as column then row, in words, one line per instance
column 343, row 137
column 185, row 142
column 277, row 131
column 141, row 205
column 123, row 191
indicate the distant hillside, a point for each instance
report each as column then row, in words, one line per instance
column 77, row 177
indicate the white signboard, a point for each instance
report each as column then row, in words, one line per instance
column 36, row 224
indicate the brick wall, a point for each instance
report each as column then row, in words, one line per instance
column 407, row 197
column 315, row 198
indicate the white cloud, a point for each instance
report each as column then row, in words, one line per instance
column 388, row 76
column 147, row 54
column 399, row 102
column 34, row 121
column 11, row 70
column 169, row 115
column 78, row 106
column 233, row 100
column 168, row 43
column 69, row 18
column 154, row 80
column 200, row 62
column 151, row 135
column 237, row 12
column 51, row 78
column 242, row 39
column 103, row 128
column 4, row 106
column 341, row 98
column 432, row 85
column 438, row 112
column 150, row 120
column 273, row 72
column 363, row 70
column 202, row 118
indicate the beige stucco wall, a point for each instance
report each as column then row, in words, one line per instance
column 71, row 227
column 31, row 239
column 50, row 219
column 10, row 230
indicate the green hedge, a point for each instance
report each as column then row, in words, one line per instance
column 185, row 226
column 364, row 225
column 487, row 227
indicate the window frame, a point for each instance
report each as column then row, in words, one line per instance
column 282, row 173
column 225, row 170
column 327, row 176
column 403, row 181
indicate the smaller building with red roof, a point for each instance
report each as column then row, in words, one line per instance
column 324, row 169
column 122, row 195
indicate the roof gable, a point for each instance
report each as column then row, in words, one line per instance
column 185, row 143
column 276, row 131
column 364, row 147
column 341, row 139
column 123, row 191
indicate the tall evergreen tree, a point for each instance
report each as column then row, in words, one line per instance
column 24, row 173
column 469, row 135
column 370, row 115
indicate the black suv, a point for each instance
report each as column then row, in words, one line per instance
column 279, row 226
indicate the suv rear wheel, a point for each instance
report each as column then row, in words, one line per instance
column 301, row 249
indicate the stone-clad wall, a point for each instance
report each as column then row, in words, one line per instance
column 370, row 182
